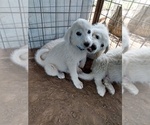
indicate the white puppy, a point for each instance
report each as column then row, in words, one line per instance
column 20, row 57
column 100, row 43
column 108, row 67
column 65, row 56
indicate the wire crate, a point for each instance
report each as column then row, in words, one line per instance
column 136, row 16
column 13, row 23
column 50, row 19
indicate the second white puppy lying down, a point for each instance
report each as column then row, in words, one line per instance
column 136, row 68
column 108, row 67
column 65, row 56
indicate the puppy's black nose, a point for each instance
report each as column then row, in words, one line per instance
column 93, row 47
column 86, row 44
column 102, row 45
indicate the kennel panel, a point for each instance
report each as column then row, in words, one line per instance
column 136, row 16
column 50, row 19
column 111, row 15
column 13, row 23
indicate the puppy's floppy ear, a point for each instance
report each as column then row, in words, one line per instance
column 68, row 35
column 106, row 39
column 107, row 48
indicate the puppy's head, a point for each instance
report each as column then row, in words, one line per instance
column 79, row 34
column 100, row 38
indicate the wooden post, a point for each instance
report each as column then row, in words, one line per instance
column 98, row 10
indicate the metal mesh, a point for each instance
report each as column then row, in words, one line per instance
column 13, row 23
column 49, row 19
column 111, row 15
column 136, row 16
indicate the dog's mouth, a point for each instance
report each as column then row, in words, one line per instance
column 91, row 48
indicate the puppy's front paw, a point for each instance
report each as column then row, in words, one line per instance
column 112, row 91
column 78, row 85
column 110, row 88
column 61, row 75
column 131, row 88
column 101, row 91
column 134, row 91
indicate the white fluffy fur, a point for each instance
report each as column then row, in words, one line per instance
column 136, row 68
column 98, row 29
column 65, row 56
column 42, row 53
column 20, row 57
column 108, row 67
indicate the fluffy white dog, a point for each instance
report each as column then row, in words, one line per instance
column 108, row 67
column 100, row 40
column 20, row 57
column 100, row 43
column 65, row 56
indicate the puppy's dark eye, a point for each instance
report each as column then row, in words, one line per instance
column 102, row 45
column 97, row 37
column 78, row 33
column 89, row 31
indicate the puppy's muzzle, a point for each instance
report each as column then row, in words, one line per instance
column 92, row 48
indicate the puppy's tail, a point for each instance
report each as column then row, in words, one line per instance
column 38, row 56
column 20, row 57
column 86, row 76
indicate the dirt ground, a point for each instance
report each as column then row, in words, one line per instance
column 136, row 109
column 57, row 102
column 13, row 92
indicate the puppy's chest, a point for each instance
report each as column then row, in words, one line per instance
column 76, row 56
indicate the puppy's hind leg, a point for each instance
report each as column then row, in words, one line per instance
column 51, row 70
column 100, row 87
